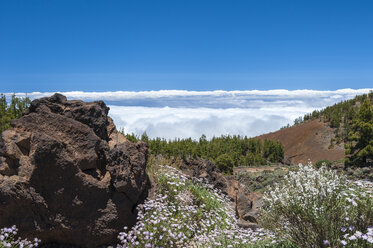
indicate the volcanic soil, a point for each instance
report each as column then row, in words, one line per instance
column 307, row 141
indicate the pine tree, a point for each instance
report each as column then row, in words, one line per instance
column 359, row 150
column 12, row 111
column 4, row 115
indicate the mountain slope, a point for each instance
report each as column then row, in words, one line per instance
column 309, row 140
column 321, row 134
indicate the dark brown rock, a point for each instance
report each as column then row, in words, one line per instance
column 67, row 175
column 247, row 203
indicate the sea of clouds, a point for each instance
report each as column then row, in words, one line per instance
column 180, row 113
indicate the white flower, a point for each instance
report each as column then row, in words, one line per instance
column 352, row 237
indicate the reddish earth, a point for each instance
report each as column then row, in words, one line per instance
column 308, row 141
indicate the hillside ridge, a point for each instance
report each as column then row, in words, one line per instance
column 307, row 141
column 321, row 134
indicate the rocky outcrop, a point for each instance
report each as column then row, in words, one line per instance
column 68, row 176
column 247, row 204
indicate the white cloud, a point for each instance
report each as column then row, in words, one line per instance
column 276, row 94
column 193, row 122
column 180, row 113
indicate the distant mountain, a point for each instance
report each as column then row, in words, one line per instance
column 320, row 134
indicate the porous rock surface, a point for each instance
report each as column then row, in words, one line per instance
column 67, row 176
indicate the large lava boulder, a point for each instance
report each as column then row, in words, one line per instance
column 67, row 176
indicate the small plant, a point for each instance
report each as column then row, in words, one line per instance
column 181, row 211
column 261, row 180
column 318, row 208
column 7, row 239
column 323, row 162
column 248, row 238
column 186, row 212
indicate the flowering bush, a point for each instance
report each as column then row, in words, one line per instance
column 188, row 213
column 7, row 239
column 318, row 208
column 246, row 238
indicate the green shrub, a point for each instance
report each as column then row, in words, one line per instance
column 185, row 212
column 180, row 211
column 224, row 163
column 318, row 208
column 259, row 181
column 358, row 173
column 237, row 243
column 323, row 162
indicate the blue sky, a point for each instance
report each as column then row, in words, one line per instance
column 193, row 45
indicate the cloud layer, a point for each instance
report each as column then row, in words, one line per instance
column 178, row 113
column 213, row 99
column 192, row 122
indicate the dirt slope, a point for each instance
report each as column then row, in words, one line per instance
column 307, row 141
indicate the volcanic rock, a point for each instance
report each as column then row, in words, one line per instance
column 68, row 176
column 247, row 204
